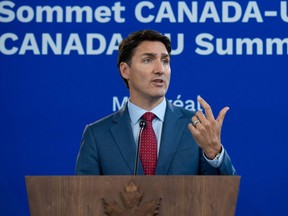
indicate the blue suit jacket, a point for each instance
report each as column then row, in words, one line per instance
column 108, row 147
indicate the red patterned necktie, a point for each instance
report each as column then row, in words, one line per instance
column 148, row 146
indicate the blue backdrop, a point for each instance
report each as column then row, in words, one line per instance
column 58, row 72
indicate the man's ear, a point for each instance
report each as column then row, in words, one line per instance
column 124, row 70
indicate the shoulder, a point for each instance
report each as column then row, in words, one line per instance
column 109, row 120
column 179, row 111
column 102, row 121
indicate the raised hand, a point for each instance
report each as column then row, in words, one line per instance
column 206, row 130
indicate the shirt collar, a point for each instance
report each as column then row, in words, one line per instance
column 136, row 112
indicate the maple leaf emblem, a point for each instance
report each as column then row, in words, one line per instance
column 131, row 199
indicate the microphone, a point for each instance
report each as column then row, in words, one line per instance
column 142, row 125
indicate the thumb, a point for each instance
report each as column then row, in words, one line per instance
column 221, row 116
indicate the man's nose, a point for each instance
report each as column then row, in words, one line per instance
column 159, row 67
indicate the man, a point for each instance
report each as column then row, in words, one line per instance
column 183, row 142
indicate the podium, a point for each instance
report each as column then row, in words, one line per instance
column 132, row 195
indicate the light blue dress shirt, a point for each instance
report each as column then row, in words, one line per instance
column 136, row 112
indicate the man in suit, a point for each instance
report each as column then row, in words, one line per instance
column 184, row 142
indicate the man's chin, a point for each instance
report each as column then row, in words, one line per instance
column 159, row 96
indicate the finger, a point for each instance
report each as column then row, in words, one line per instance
column 195, row 121
column 192, row 129
column 200, row 115
column 206, row 107
column 222, row 115
column 195, row 133
column 194, row 118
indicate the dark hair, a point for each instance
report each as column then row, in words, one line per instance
column 127, row 46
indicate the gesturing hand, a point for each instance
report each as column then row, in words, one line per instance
column 206, row 130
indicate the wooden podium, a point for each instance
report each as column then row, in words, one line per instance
column 132, row 195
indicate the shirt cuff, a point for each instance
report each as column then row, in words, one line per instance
column 216, row 163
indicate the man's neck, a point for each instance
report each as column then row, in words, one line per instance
column 147, row 104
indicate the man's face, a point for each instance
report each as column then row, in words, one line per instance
column 149, row 73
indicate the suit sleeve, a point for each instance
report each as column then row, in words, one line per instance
column 226, row 167
column 87, row 161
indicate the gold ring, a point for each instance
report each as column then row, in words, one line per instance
column 196, row 122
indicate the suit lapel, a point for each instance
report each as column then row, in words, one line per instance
column 123, row 136
column 172, row 131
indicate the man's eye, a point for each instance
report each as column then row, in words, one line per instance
column 147, row 60
column 165, row 61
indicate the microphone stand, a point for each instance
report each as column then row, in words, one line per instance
column 142, row 125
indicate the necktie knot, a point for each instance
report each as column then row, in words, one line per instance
column 148, row 116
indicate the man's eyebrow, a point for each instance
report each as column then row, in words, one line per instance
column 155, row 54
column 165, row 55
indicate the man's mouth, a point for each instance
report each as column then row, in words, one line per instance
column 158, row 81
